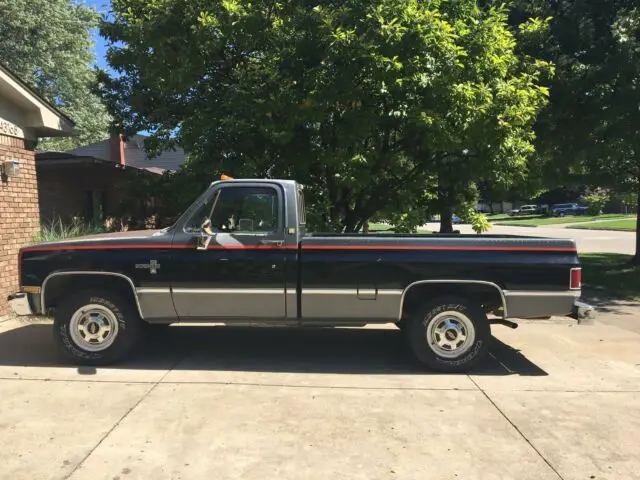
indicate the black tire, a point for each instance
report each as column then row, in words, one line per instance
column 466, row 315
column 122, row 311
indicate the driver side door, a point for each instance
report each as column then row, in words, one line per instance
column 241, row 273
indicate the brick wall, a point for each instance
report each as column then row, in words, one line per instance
column 64, row 188
column 19, row 214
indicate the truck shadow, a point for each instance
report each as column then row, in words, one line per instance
column 318, row 350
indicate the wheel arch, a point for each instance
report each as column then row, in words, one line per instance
column 478, row 288
column 58, row 282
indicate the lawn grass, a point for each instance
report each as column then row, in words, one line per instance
column 380, row 227
column 625, row 225
column 611, row 272
column 540, row 220
column 386, row 228
column 500, row 216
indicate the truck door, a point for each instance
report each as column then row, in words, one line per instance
column 240, row 274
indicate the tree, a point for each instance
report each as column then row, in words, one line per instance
column 591, row 125
column 47, row 43
column 369, row 104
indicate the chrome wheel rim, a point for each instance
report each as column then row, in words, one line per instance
column 93, row 328
column 450, row 334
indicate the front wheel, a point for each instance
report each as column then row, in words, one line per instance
column 96, row 327
column 450, row 334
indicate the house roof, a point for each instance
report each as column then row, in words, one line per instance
column 18, row 80
column 40, row 117
column 134, row 153
column 52, row 159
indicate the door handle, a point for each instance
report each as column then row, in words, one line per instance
column 278, row 243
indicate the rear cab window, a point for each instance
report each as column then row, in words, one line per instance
column 302, row 219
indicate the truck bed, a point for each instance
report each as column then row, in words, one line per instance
column 369, row 273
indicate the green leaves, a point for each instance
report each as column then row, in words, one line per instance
column 47, row 43
column 373, row 105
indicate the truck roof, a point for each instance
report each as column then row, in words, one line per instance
column 257, row 180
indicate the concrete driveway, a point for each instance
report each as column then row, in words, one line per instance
column 553, row 401
column 588, row 241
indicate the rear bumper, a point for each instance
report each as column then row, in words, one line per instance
column 19, row 303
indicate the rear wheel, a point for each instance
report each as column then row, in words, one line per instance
column 96, row 327
column 450, row 334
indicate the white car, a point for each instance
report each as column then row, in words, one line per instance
column 524, row 210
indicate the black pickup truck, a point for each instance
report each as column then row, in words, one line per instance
column 241, row 255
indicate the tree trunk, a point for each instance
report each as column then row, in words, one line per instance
column 446, row 223
column 636, row 258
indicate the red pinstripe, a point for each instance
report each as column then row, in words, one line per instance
column 304, row 247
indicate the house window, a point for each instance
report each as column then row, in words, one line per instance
column 95, row 201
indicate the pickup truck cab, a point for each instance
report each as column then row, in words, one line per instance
column 563, row 209
column 241, row 255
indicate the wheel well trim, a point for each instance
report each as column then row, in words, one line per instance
column 112, row 274
column 467, row 282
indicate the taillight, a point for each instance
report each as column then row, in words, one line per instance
column 575, row 280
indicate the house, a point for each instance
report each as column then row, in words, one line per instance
column 131, row 153
column 89, row 182
column 24, row 117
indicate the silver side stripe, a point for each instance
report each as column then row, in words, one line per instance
column 347, row 291
column 231, row 291
column 142, row 291
column 541, row 293
column 267, row 291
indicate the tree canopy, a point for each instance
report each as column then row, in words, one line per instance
column 371, row 104
column 591, row 125
column 47, row 43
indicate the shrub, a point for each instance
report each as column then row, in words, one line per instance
column 595, row 201
column 479, row 222
column 56, row 229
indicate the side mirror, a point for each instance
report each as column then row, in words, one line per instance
column 207, row 233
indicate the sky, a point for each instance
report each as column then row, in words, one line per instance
column 100, row 48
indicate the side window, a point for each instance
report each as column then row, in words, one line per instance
column 238, row 209
column 245, row 210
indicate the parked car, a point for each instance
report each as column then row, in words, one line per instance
column 525, row 210
column 563, row 209
column 241, row 255
column 455, row 219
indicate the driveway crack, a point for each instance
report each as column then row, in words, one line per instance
column 515, row 427
column 117, row 424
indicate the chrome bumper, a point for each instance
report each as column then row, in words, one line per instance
column 583, row 312
column 19, row 303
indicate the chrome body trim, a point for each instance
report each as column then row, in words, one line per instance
column 348, row 291
column 19, row 303
column 465, row 282
column 226, row 291
column 541, row 293
column 113, row 274
column 153, row 290
column 329, row 291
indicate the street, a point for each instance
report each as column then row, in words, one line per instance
column 553, row 401
column 588, row 241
